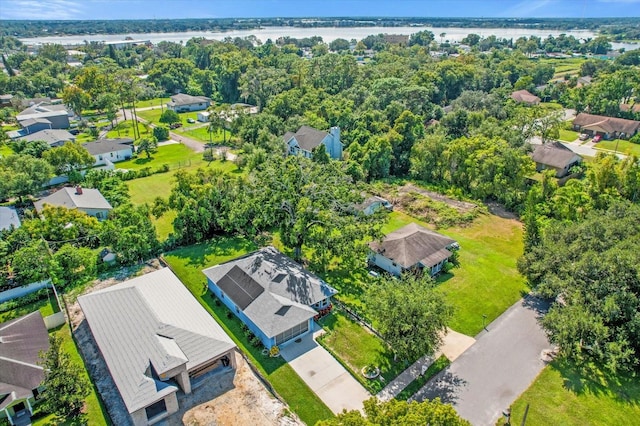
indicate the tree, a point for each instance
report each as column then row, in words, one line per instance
column 161, row 133
column 548, row 125
column 32, row 262
column 74, row 266
column 76, row 98
column 310, row 204
column 148, row 145
column 319, row 154
column 169, row 116
column 130, row 233
column 421, row 38
column 110, row 185
column 68, row 158
column 65, row 384
column 22, row 175
column 409, row 314
column 339, row 45
column 33, row 148
column 396, row 412
column 61, row 224
column 592, row 270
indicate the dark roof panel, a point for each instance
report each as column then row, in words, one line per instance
column 240, row 287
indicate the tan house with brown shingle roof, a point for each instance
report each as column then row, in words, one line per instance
column 526, row 97
column 556, row 156
column 608, row 127
column 412, row 247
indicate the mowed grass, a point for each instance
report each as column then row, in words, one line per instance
column 563, row 396
column 47, row 305
column 124, row 129
column 568, row 135
column 153, row 115
column 155, row 102
column 622, row 146
column 487, row 281
column 174, row 154
column 188, row 263
column 356, row 348
column 95, row 412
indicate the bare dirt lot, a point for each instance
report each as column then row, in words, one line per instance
column 221, row 398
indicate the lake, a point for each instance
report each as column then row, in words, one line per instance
column 328, row 34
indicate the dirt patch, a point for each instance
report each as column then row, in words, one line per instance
column 232, row 399
column 499, row 210
column 462, row 206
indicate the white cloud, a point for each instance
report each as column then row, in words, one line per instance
column 35, row 9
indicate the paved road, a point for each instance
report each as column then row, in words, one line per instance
column 492, row 373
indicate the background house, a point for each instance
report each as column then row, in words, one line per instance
column 54, row 137
column 608, row 127
column 88, row 200
column 273, row 295
column 412, row 247
column 184, row 103
column 526, row 97
column 22, row 340
column 203, row 116
column 110, row 150
column 155, row 338
column 556, row 156
column 8, row 218
column 56, row 116
column 307, row 138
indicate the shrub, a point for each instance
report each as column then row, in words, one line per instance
column 161, row 133
column 169, row 116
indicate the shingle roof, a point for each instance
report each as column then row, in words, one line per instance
column 606, row 124
column 307, row 137
column 413, row 244
column 21, row 342
column 553, row 154
column 50, row 136
column 105, row 146
column 287, row 289
column 8, row 217
column 147, row 326
column 69, row 198
column 525, row 96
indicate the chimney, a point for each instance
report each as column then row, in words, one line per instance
column 78, row 190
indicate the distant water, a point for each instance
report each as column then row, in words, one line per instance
column 328, row 34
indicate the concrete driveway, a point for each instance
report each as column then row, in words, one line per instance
column 492, row 373
column 325, row 375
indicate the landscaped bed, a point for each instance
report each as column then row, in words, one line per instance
column 188, row 263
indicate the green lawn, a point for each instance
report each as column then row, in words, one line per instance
column 188, row 263
column 356, row 348
column 174, row 154
column 5, row 150
column 550, row 106
column 562, row 396
column 202, row 134
column 622, row 146
column 487, row 281
column 95, row 413
column 153, row 115
column 152, row 103
column 568, row 135
column 124, row 129
column 46, row 305
column 413, row 387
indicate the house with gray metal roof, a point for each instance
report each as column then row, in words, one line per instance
column 22, row 340
column 412, row 247
column 88, row 200
column 50, row 116
column 53, row 137
column 271, row 294
column 184, row 103
column 156, row 340
column 110, row 150
column 306, row 139
column 8, row 218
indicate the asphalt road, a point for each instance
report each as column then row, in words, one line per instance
column 489, row 376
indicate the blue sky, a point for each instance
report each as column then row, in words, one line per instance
column 149, row 9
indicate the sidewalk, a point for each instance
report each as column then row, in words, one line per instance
column 454, row 344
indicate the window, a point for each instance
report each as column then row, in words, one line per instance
column 156, row 409
column 292, row 332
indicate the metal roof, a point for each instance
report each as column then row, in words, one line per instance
column 9, row 217
column 147, row 326
column 105, row 146
column 50, row 136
